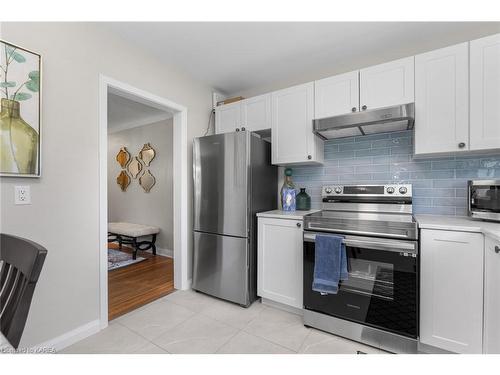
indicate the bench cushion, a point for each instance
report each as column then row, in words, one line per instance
column 132, row 230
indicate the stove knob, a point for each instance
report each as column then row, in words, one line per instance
column 403, row 190
column 390, row 190
column 338, row 190
column 328, row 190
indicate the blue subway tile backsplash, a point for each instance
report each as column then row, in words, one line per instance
column 439, row 183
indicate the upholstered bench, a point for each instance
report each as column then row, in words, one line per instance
column 128, row 234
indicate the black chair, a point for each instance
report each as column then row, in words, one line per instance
column 21, row 262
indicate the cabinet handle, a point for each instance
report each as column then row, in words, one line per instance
column 309, row 157
column 364, row 108
column 242, row 128
column 497, row 249
column 237, row 129
column 461, row 145
column 299, row 225
column 354, row 109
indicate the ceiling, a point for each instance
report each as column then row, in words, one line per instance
column 252, row 56
column 124, row 113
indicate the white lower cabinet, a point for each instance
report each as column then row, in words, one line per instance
column 451, row 290
column 279, row 261
column 492, row 296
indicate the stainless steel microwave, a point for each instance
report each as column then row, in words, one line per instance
column 484, row 199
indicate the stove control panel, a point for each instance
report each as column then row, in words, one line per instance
column 397, row 190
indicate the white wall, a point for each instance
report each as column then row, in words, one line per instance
column 135, row 205
column 372, row 55
column 64, row 215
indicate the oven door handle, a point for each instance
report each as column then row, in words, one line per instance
column 312, row 226
column 396, row 246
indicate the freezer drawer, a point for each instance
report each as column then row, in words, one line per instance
column 221, row 266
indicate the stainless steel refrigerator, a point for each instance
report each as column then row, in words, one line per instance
column 233, row 180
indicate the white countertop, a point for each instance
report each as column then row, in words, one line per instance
column 459, row 223
column 280, row 214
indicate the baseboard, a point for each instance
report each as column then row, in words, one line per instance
column 282, row 306
column 71, row 337
column 165, row 252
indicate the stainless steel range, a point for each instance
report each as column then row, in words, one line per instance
column 378, row 304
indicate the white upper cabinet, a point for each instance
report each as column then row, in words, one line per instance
column 492, row 296
column 227, row 118
column 249, row 114
column 292, row 135
column 387, row 84
column 485, row 93
column 451, row 290
column 336, row 95
column 256, row 113
column 442, row 100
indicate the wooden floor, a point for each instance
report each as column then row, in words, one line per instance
column 139, row 284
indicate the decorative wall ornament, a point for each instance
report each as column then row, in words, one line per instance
column 20, row 111
column 123, row 157
column 147, row 154
column 123, row 180
column 147, row 181
column 135, row 167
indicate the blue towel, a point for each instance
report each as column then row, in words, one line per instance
column 330, row 264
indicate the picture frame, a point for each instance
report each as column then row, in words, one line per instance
column 20, row 111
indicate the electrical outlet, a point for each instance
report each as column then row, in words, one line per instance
column 22, row 195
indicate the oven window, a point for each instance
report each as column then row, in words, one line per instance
column 370, row 278
column 486, row 198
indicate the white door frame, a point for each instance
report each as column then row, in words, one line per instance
column 180, row 173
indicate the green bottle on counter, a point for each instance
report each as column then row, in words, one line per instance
column 303, row 200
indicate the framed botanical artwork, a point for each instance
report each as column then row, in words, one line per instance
column 20, row 116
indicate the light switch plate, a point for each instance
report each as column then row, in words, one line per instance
column 22, row 195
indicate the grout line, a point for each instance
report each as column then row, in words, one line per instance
column 226, row 342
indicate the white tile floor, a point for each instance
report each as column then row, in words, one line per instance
column 190, row 322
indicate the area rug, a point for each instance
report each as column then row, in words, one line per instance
column 119, row 259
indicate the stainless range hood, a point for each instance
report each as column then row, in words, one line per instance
column 381, row 120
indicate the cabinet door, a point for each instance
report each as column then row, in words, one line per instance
column 387, row 84
column 492, row 297
column 442, row 100
column 485, row 93
column 451, row 290
column 227, row 118
column 292, row 135
column 336, row 95
column 279, row 259
column 256, row 113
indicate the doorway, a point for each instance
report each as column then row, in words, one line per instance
column 180, row 171
column 140, row 193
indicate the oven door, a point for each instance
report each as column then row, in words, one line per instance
column 382, row 289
